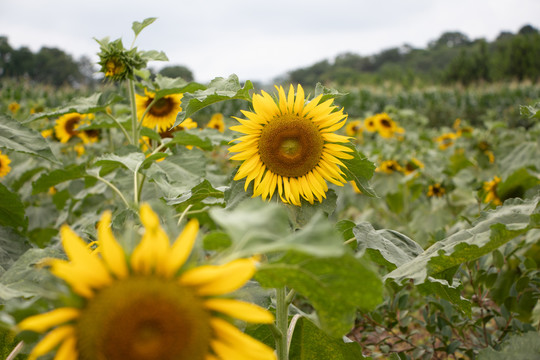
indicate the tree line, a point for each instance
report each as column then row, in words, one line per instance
column 452, row 58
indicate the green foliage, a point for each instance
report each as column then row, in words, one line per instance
column 518, row 347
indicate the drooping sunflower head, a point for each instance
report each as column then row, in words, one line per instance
column 4, row 165
column 436, row 190
column 145, row 305
column 289, row 144
column 162, row 114
column 216, row 122
column 116, row 62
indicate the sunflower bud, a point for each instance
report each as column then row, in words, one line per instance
column 116, row 62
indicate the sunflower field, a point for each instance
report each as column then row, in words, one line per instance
column 154, row 218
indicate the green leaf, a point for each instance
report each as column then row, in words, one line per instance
column 55, row 177
column 16, row 137
column 12, row 246
column 530, row 111
column 153, row 55
column 311, row 343
column 132, row 160
column 386, row 247
column 493, row 229
column 301, row 215
column 517, row 347
column 197, row 194
column 167, row 86
column 359, row 169
column 216, row 241
column 12, row 211
column 335, row 286
column 452, row 293
column 256, row 227
column 188, row 137
column 516, row 184
column 138, row 27
column 327, row 93
column 82, row 105
column 24, row 278
column 219, row 89
column 525, row 154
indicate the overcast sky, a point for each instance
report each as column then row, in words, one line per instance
column 257, row 40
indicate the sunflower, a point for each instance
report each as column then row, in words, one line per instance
column 216, row 122
column 163, row 112
column 490, row 189
column 370, row 124
column 144, row 305
column 446, row 140
column 66, row 128
column 14, row 107
column 4, row 165
column 385, row 126
column 389, row 166
column 412, row 165
column 354, row 128
column 436, row 190
column 289, row 144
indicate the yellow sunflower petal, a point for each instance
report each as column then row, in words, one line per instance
column 240, row 310
column 51, row 340
column 221, row 279
column 112, row 252
column 181, row 249
column 42, row 322
column 68, row 350
column 300, row 98
column 228, row 352
column 245, row 344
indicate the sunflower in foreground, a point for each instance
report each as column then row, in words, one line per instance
column 290, row 145
column 4, row 165
column 163, row 112
column 143, row 305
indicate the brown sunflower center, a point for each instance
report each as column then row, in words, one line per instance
column 290, row 146
column 385, row 123
column 162, row 107
column 69, row 126
column 144, row 318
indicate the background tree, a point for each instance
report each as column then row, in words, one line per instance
column 175, row 71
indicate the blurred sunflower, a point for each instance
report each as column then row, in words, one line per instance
column 354, row 128
column 216, row 122
column 66, row 128
column 446, row 140
column 185, row 125
column 142, row 306
column 14, row 107
column 412, row 165
column 436, row 190
column 386, row 126
column 370, row 124
column 163, row 112
column 490, row 189
column 290, row 144
column 47, row 133
column 4, row 165
column 389, row 166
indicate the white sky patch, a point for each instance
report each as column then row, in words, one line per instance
column 254, row 39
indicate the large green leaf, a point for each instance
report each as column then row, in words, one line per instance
column 387, row 247
column 199, row 193
column 12, row 211
column 167, row 86
column 493, row 229
column 12, row 246
column 82, row 105
column 25, row 279
column 311, row 343
column 17, row 137
column 190, row 138
column 256, row 227
column 219, row 89
column 132, row 160
column 516, row 347
column 139, row 26
column 335, row 286
column 55, row 177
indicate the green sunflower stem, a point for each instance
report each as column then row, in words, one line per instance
column 134, row 121
column 282, row 323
